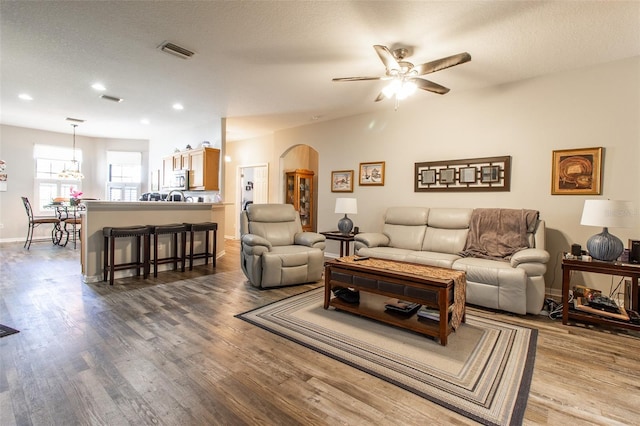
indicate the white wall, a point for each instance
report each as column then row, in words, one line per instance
column 16, row 149
column 596, row 106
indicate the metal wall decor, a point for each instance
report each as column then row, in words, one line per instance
column 474, row 174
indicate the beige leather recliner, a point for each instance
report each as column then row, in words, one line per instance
column 275, row 251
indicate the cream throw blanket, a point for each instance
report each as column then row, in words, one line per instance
column 499, row 233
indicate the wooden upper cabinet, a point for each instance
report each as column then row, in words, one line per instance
column 204, row 166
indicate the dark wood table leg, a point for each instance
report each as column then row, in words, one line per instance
column 566, row 278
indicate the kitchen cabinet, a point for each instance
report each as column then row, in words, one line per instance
column 300, row 193
column 203, row 165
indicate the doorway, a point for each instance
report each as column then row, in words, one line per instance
column 253, row 187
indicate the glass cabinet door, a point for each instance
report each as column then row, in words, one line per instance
column 299, row 192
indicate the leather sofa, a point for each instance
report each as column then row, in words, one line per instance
column 438, row 236
column 275, row 251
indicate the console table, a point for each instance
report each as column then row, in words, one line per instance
column 344, row 240
column 598, row 267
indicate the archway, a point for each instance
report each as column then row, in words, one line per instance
column 300, row 157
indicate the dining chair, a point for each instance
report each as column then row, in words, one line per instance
column 35, row 221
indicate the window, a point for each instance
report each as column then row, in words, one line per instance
column 49, row 162
column 124, row 175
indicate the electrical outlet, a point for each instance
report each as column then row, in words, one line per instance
column 1, row 225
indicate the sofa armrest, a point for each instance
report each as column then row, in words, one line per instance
column 255, row 244
column 531, row 255
column 309, row 239
column 372, row 239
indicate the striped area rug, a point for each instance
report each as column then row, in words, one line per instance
column 484, row 372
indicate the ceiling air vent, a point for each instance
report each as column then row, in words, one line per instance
column 176, row 50
column 75, row 120
column 111, row 98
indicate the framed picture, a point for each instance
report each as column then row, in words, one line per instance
column 342, row 181
column 372, row 173
column 428, row 176
column 576, row 171
column 468, row 175
column 447, row 176
column 490, row 174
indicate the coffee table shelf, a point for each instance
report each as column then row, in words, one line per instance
column 411, row 322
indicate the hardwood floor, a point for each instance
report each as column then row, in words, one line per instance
column 169, row 351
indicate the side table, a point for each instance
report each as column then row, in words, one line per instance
column 598, row 267
column 344, row 240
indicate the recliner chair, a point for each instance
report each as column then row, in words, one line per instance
column 275, row 251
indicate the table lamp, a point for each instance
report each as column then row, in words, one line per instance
column 346, row 205
column 606, row 213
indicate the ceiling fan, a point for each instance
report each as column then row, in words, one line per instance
column 404, row 75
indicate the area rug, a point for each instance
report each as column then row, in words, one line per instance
column 6, row 331
column 483, row 373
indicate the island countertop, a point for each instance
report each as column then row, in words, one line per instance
column 99, row 214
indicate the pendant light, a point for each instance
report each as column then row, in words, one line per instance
column 72, row 173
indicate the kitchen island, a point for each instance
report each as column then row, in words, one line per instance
column 99, row 214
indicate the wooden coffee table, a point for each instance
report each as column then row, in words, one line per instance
column 439, row 288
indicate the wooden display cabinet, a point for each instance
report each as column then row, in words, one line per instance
column 300, row 193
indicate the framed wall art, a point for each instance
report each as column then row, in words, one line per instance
column 576, row 171
column 473, row 174
column 342, row 181
column 372, row 173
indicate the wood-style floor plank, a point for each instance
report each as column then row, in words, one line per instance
column 169, row 351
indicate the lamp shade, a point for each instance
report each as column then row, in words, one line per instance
column 607, row 213
column 346, row 205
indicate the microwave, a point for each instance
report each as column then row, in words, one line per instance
column 179, row 179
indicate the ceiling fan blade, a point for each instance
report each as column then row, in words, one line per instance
column 380, row 97
column 387, row 58
column 357, row 78
column 429, row 86
column 443, row 63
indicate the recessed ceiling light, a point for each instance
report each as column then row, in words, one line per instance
column 99, row 87
column 178, row 107
column 25, row 97
column 145, row 121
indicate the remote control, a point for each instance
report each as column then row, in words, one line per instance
column 360, row 258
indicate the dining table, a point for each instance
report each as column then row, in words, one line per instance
column 68, row 215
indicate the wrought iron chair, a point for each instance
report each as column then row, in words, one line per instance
column 35, row 221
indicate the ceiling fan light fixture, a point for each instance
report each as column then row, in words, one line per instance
column 407, row 88
column 392, row 88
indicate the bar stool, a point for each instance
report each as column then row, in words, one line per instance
column 138, row 233
column 179, row 251
column 205, row 227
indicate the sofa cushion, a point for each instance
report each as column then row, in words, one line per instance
column 447, row 230
column 492, row 272
column 432, row 258
column 390, row 253
column 450, row 218
column 405, row 237
column 405, row 226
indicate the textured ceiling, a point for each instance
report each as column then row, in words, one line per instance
column 268, row 65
